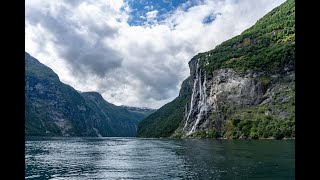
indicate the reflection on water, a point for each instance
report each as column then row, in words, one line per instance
column 136, row 158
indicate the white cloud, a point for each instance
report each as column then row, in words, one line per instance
column 152, row 14
column 90, row 45
column 148, row 7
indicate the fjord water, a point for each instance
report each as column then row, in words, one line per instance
column 139, row 158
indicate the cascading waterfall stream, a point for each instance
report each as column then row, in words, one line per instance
column 201, row 106
column 192, row 97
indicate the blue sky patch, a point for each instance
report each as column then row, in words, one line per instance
column 140, row 8
column 210, row 18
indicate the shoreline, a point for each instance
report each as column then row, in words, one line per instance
column 224, row 138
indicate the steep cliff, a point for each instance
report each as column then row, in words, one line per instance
column 244, row 88
column 53, row 108
column 167, row 119
column 232, row 103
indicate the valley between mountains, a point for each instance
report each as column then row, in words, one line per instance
column 243, row 88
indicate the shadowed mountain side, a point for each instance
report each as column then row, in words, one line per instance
column 56, row 109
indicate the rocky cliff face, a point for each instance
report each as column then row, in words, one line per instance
column 56, row 109
column 217, row 97
column 243, row 88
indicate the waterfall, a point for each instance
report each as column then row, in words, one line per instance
column 201, row 104
column 197, row 105
column 192, row 97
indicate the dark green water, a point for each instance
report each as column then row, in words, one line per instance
column 136, row 158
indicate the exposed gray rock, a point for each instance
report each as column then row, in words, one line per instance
column 216, row 97
column 243, row 136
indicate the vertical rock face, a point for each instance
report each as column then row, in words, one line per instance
column 216, row 97
column 53, row 104
column 53, row 108
column 199, row 102
column 212, row 96
column 245, row 86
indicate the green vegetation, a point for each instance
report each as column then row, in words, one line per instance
column 167, row 119
column 53, row 108
column 177, row 134
column 137, row 114
column 211, row 134
column 254, row 123
column 36, row 69
column 33, row 123
column 264, row 80
column 200, row 134
column 267, row 45
column 264, row 121
column 284, row 99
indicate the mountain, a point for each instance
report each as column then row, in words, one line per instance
column 243, row 88
column 166, row 120
column 53, row 108
column 140, row 112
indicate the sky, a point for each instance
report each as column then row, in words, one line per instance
column 133, row 52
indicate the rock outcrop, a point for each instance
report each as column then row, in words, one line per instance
column 217, row 97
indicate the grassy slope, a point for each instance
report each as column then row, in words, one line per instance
column 266, row 46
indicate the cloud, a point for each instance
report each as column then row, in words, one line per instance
column 91, row 46
column 148, row 7
column 152, row 14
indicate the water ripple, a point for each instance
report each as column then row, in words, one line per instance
column 134, row 158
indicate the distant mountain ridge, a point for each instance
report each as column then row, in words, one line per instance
column 53, row 108
column 137, row 108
